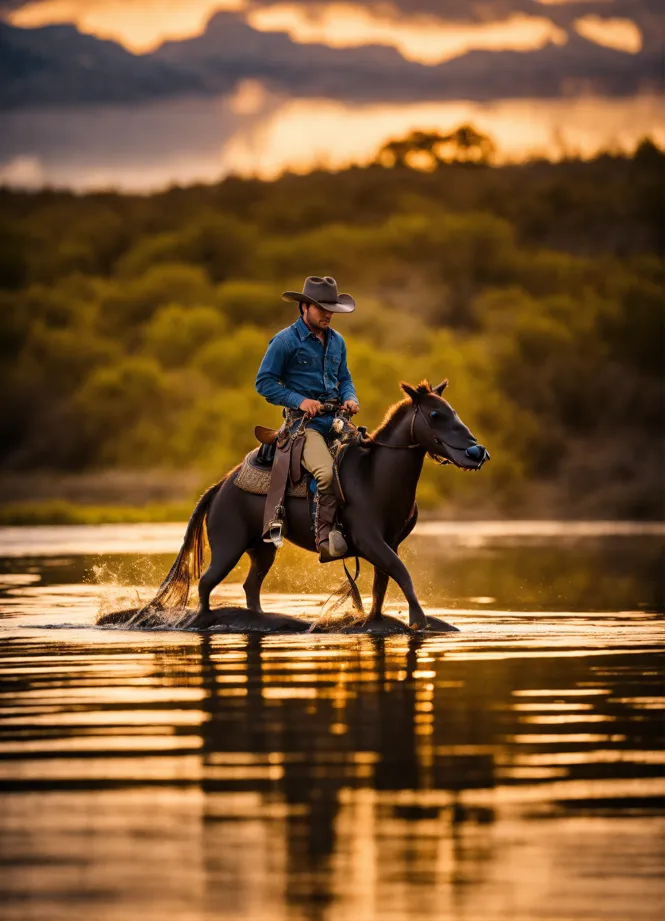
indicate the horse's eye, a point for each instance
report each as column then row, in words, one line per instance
column 434, row 414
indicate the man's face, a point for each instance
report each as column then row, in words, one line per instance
column 317, row 318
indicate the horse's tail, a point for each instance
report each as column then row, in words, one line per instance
column 187, row 566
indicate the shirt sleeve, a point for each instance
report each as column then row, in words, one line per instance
column 346, row 389
column 269, row 378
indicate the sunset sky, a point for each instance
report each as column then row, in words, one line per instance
column 422, row 30
column 269, row 85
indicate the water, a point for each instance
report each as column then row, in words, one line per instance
column 147, row 146
column 513, row 771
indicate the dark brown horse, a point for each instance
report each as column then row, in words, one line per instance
column 379, row 480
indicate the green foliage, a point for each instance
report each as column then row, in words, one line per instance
column 126, row 306
column 220, row 245
column 131, row 328
column 176, row 333
column 232, row 361
column 248, row 302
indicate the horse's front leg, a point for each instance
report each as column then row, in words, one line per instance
column 377, row 552
column 380, row 583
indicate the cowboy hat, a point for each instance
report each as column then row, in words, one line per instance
column 323, row 293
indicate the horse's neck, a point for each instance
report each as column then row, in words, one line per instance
column 397, row 468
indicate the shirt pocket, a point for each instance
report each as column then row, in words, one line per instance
column 334, row 360
column 333, row 363
column 303, row 359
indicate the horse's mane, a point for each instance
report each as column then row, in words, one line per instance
column 395, row 413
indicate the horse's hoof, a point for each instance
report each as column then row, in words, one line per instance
column 436, row 625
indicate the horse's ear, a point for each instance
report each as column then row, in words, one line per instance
column 410, row 391
column 440, row 388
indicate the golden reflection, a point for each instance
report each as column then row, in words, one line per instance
column 140, row 25
column 592, row 756
column 179, row 768
column 92, row 717
column 562, row 692
column 292, row 693
column 397, row 786
column 559, row 707
column 544, row 718
column 137, row 742
column 531, row 773
column 422, row 38
column 555, row 738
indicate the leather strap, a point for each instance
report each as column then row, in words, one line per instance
column 274, row 509
column 298, row 446
column 337, row 481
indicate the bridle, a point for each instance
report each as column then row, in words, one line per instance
column 442, row 461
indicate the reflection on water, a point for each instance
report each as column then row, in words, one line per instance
column 257, row 132
column 512, row 771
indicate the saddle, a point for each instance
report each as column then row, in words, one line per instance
column 275, row 470
column 254, row 477
column 286, row 468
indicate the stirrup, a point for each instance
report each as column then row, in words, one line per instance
column 334, row 547
column 338, row 546
column 275, row 535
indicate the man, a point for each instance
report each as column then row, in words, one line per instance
column 305, row 366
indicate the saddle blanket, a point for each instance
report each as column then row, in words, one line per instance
column 255, row 479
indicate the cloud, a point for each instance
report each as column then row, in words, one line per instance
column 621, row 34
column 646, row 14
column 57, row 65
column 423, row 37
column 23, row 172
column 139, row 25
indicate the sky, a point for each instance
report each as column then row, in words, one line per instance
column 256, row 93
column 426, row 31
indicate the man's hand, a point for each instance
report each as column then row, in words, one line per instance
column 310, row 407
column 351, row 407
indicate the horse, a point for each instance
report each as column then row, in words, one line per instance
column 378, row 478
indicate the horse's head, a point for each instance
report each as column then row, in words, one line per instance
column 439, row 430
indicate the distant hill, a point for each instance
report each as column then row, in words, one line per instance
column 58, row 65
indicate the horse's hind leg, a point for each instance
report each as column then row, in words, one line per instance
column 379, row 586
column 262, row 556
column 223, row 561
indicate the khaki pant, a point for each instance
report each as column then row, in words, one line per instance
column 316, row 458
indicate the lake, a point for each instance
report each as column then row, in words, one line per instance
column 511, row 771
column 254, row 131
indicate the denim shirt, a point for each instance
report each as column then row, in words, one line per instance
column 298, row 366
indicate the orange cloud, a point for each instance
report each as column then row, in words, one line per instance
column 426, row 39
column 621, row 34
column 139, row 25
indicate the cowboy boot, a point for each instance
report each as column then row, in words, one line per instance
column 329, row 540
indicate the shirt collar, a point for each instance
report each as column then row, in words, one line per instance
column 301, row 329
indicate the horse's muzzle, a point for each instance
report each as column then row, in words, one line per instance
column 478, row 453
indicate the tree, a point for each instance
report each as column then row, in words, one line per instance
column 428, row 150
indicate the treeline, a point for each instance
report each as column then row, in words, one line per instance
column 131, row 327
